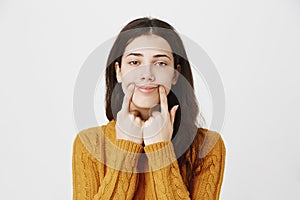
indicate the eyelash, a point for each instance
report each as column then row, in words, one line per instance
column 131, row 62
column 159, row 63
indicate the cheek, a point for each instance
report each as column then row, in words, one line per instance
column 165, row 78
column 127, row 79
column 167, row 84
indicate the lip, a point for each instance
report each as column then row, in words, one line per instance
column 147, row 89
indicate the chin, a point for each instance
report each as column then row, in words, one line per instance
column 144, row 102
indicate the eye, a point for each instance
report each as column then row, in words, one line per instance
column 161, row 64
column 134, row 62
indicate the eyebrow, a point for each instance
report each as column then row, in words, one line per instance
column 155, row 56
column 135, row 54
column 161, row 55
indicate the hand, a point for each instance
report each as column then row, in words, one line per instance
column 129, row 126
column 159, row 126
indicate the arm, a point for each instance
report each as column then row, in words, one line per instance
column 115, row 184
column 166, row 181
column 207, row 183
column 84, row 171
column 164, row 177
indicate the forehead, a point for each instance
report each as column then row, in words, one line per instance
column 148, row 42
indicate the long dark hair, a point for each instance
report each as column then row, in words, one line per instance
column 185, row 124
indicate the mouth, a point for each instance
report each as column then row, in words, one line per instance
column 147, row 89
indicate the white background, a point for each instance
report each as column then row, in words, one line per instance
column 255, row 46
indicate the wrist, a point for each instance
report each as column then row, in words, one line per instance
column 129, row 139
column 148, row 142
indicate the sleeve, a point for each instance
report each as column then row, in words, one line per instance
column 207, row 184
column 166, row 181
column 164, row 175
column 115, row 184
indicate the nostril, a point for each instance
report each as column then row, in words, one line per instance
column 151, row 78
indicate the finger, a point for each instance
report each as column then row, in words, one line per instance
column 154, row 114
column 148, row 121
column 127, row 97
column 173, row 113
column 163, row 100
column 155, row 108
column 139, row 121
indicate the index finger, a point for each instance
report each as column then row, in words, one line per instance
column 163, row 100
column 127, row 97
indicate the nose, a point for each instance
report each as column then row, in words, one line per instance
column 147, row 75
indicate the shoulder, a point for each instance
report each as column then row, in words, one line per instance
column 86, row 140
column 92, row 135
column 93, row 138
column 89, row 137
column 211, row 143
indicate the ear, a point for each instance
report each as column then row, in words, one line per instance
column 118, row 72
column 176, row 74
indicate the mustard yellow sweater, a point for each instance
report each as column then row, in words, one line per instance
column 94, row 180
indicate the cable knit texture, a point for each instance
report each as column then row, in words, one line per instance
column 118, row 177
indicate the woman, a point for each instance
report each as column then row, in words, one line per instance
column 152, row 147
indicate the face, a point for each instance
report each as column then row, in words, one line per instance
column 147, row 62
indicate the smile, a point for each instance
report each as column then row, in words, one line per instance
column 147, row 89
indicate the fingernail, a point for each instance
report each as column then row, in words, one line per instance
column 176, row 107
